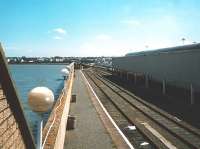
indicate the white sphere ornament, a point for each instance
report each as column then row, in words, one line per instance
column 41, row 99
column 65, row 72
column 68, row 67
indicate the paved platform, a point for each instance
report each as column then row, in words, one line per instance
column 89, row 132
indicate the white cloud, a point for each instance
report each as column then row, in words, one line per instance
column 131, row 22
column 99, row 48
column 57, row 37
column 11, row 48
column 59, row 31
column 15, row 47
column 134, row 36
column 103, row 37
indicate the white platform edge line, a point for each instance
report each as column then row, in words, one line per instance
column 159, row 136
column 106, row 112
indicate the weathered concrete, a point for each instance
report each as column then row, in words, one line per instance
column 54, row 130
column 89, row 132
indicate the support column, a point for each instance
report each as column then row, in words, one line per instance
column 146, row 80
column 135, row 78
column 39, row 134
column 120, row 74
column 164, row 87
column 191, row 94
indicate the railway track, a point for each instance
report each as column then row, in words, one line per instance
column 161, row 130
column 179, row 122
column 136, row 138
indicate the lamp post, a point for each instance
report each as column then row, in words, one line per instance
column 40, row 100
column 65, row 72
column 68, row 67
column 183, row 40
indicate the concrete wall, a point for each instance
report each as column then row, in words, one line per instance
column 181, row 68
column 55, row 128
column 10, row 135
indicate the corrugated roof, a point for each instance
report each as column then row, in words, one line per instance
column 166, row 50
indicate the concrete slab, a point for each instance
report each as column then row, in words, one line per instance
column 89, row 132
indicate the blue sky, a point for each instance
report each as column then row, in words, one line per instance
column 95, row 27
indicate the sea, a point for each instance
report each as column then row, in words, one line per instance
column 29, row 76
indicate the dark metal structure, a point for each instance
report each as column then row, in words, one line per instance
column 176, row 65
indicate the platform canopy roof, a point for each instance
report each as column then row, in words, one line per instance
column 184, row 48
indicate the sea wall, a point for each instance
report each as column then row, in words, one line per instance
column 55, row 128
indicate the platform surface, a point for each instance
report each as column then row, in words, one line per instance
column 89, row 132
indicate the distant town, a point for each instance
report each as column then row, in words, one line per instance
column 102, row 61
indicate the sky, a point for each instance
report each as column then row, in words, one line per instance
column 96, row 27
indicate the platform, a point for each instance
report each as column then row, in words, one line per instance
column 89, row 132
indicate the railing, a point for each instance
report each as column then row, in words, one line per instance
column 55, row 128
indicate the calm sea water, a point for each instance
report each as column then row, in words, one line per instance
column 26, row 77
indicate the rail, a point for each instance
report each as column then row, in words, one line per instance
column 151, row 114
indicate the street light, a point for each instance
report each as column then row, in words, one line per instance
column 68, row 67
column 65, row 72
column 40, row 100
column 183, row 40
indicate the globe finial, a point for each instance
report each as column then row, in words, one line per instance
column 40, row 99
